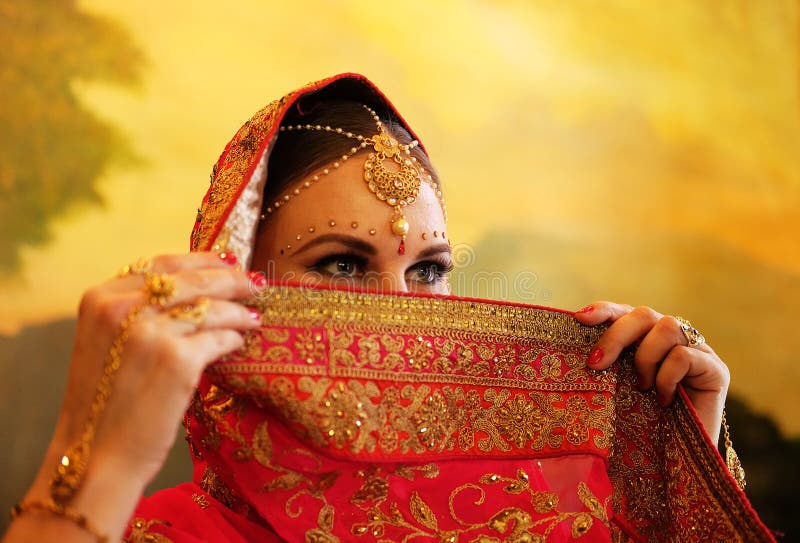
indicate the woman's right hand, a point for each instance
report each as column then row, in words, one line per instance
column 161, row 363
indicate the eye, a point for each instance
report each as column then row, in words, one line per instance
column 340, row 265
column 430, row 272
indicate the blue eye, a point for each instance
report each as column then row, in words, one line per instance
column 430, row 273
column 340, row 266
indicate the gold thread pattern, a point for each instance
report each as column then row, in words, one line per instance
column 140, row 531
column 354, row 384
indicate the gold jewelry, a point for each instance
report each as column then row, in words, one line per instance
column 692, row 334
column 731, row 458
column 355, row 225
column 436, row 234
column 160, row 287
column 194, row 313
column 60, row 511
column 142, row 266
column 398, row 185
column 71, row 468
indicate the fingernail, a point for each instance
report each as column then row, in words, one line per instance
column 587, row 309
column 640, row 382
column 228, row 258
column 254, row 314
column 257, row 278
column 661, row 399
column 595, row 356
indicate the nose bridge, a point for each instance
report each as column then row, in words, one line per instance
column 390, row 277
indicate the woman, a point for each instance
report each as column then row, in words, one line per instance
column 326, row 186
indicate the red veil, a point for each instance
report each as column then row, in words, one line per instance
column 354, row 416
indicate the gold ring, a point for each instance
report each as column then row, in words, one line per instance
column 159, row 287
column 194, row 313
column 692, row 334
column 142, row 266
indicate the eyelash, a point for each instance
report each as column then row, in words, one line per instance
column 325, row 261
column 442, row 266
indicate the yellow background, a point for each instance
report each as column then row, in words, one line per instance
column 644, row 152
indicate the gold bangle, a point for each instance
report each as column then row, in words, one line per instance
column 51, row 507
column 731, row 458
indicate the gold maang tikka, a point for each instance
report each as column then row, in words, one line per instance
column 398, row 186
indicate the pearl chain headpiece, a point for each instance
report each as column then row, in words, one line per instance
column 398, row 186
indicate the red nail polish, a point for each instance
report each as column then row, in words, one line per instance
column 595, row 356
column 587, row 309
column 640, row 382
column 257, row 278
column 228, row 258
column 661, row 399
column 254, row 314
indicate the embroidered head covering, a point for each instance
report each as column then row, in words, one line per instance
column 228, row 216
column 369, row 417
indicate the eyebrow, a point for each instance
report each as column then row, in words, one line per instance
column 435, row 249
column 351, row 241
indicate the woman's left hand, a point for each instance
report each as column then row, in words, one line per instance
column 663, row 358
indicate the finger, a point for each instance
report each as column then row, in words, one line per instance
column 626, row 330
column 699, row 370
column 176, row 262
column 654, row 348
column 222, row 283
column 213, row 344
column 601, row 311
column 656, row 345
column 193, row 261
column 219, row 314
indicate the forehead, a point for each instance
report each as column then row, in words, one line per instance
column 343, row 197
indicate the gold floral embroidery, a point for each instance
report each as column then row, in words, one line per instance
column 341, row 415
column 200, row 500
column 513, row 524
column 140, row 531
column 416, row 419
column 519, row 420
column 309, row 347
column 215, row 487
column 501, row 380
column 419, row 353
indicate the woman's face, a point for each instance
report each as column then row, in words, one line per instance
column 337, row 232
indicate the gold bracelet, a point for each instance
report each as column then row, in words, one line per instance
column 49, row 506
column 731, row 458
column 71, row 469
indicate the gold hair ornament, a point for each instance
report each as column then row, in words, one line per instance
column 397, row 186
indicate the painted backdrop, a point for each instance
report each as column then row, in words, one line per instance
column 643, row 152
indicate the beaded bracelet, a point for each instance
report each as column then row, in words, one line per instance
column 49, row 506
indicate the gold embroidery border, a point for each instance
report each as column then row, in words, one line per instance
column 258, row 368
column 730, row 508
column 297, row 306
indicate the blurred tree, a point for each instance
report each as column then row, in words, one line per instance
column 770, row 462
column 52, row 149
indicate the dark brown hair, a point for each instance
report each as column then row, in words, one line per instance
column 300, row 153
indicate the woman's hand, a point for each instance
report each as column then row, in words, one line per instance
column 160, row 364
column 663, row 358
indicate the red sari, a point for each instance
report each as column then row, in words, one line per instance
column 372, row 417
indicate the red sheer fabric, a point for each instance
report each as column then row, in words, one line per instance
column 369, row 417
